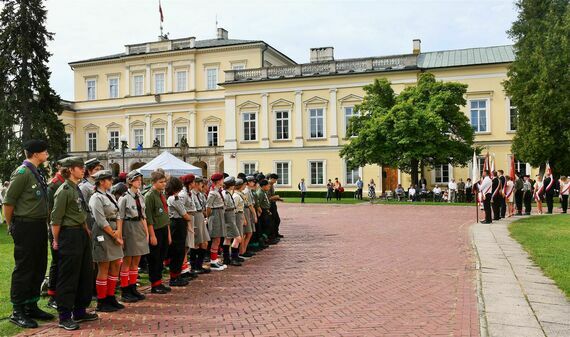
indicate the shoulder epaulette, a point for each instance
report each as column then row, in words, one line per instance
column 66, row 187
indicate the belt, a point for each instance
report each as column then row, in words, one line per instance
column 133, row 219
column 229, row 209
column 24, row 219
column 217, row 207
column 239, row 211
column 111, row 219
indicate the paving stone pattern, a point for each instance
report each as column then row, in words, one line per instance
column 342, row 270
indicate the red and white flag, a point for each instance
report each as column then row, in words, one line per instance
column 160, row 11
column 512, row 170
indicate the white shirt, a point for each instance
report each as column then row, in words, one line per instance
column 412, row 191
column 452, row 185
column 437, row 190
column 486, row 185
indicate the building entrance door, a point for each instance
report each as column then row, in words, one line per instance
column 389, row 178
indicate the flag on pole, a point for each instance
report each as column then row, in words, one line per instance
column 492, row 167
column 475, row 170
column 160, row 11
column 512, row 170
column 486, row 163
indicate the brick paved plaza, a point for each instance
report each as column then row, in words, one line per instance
column 352, row 270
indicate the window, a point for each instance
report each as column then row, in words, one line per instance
column 91, row 91
column 317, row 172
column 352, row 175
column 442, row 173
column 212, row 78
column 159, row 83
column 282, row 170
column 181, row 131
column 282, row 124
column 212, row 135
column 160, row 134
column 68, row 142
column 478, row 110
column 138, row 135
column 181, row 80
column 138, row 84
column 513, row 118
column 249, row 168
column 114, row 139
column 249, row 126
column 113, row 87
column 520, row 167
column 92, row 141
column 238, row 66
column 316, row 123
column 481, row 165
column 348, row 114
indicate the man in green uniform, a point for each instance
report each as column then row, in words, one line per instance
column 265, row 215
column 26, row 211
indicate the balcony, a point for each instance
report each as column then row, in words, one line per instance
column 201, row 151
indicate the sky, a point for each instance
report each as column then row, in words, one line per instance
column 355, row 28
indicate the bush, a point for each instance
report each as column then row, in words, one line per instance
column 310, row 194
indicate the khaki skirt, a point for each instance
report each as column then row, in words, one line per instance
column 231, row 227
column 134, row 238
column 216, row 224
column 240, row 222
column 249, row 228
column 201, row 234
column 104, row 247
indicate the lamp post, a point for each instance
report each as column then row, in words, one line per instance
column 124, row 146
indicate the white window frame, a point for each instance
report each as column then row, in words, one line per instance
column 162, row 141
column 69, row 141
column 88, row 140
column 134, row 140
column 487, row 113
column 178, row 82
column 324, row 122
column 345, row 174
column 288, row 111
column 94, row 95
column 521, row 163
column 109, row 134
column 243, row 121
column 217, row 134
column 244, row 163
column 449, row 177
column 134, row 86
column 176, row 134
column 275, row 164
column 156, row 76
column 324, row 162
column 238, row 66
column 207, row 84
column 509, row 108
column 111, row 94
column 345, row 121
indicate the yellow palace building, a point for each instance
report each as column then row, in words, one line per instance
column 243, row 106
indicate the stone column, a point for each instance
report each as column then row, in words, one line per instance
column 169, row 132
column 147, row 137
column 169, row 78
column 147, row 80
column 230, row 144
column 263, row 122
column 298, row 118
column 334, row 118
column 127, row 81
column 192, row 138
column 192, row 75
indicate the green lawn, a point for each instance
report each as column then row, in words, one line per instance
column 349, row 201
column 547, row 240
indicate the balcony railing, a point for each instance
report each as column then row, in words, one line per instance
column 152, row 152
column 323, row 68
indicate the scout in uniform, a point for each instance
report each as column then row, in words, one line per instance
column 186, row 198
column 233, row 236
column 26, row 213
column 201, row 235
column 564, row 192
column 264, row 205
column 71, row 238
column 241, row 221
column 549, row 186
column 496, row 197
column 273, row 198
column 249, row 221
column 158, row 230
column 486, row 188
column 216, row 224
column 180, row 224
column 132, row 220
column 107, row 242
column 87, row 184
column 527, row 194
column 519, row 195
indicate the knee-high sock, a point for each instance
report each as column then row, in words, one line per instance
column 111, row 284
column 101, row 286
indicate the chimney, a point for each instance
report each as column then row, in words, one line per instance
column 417, row 49
column 222, row 34
column 323, row 54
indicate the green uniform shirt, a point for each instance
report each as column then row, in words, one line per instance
column 263, row 199
column 68, row 209
column 155, row 213
column 53, row 185
column 26, row 195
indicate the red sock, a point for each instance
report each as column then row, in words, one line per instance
column 133, row 276
column 156, row 283
column 111, row 284
column 213, row 255
column 124, row 279
column 101, row 287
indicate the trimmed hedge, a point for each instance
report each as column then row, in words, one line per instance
column 310, row 194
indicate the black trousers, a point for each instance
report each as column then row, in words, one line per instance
column 275, row 219
column 157, row 255
column 75, row 274
column 359, row 193
column 503, row 206
column 564, row 202
column 487, row 207
column 468, row 194
column 176, row 251
column 264, row 222
column 337, row 194
column 527, row 198
column 549, row 196
column 497, row 202
column 303, row 197
column 54, row 266
column 30, row 257
column 519, row 201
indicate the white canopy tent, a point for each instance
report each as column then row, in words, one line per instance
column 170, row 164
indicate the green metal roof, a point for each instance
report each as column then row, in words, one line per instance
column 465, row 57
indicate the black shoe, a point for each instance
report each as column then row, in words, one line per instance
column 112, row 300
column 205, row 270
column 19, row 318
column 86, row 318
column 68, row 324
column 127, row 296
column 248, row 254
column 280, row 236
column 104, row 306
column 178, row 282
column 241, row 259
column 235, row 262
column 158, row 290
column 52, row 303
column 136, row 293
column 34, row 312
column 168, row 289
column 486, row 222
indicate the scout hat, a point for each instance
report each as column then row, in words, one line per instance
column 35, row 146
column 119, row 188
column 239, row 182
column 72, row 161
column 92, row 163
column 103, row 174
column 230, row 181
column 273, row 176
column 133, row 175
column 217, row 176
column 198, row 179
column 250, row 178
column 263, row 183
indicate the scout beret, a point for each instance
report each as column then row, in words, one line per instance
column 263, row 183
column 133, row 175
column 217, row 176
column 260, row 177
column 198, row 179
column 241, row 176
column 226, row 175
column 35, row 146
column 273, row 176
column 119, row 188
column 188, row 178
column 230, row 181
column 239, row 182
column 91, row 163
column 250, row 178
column 123, row 176
column 71, row 161
column 103, row 174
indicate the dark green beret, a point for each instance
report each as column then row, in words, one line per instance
column 263, row 183
column 198, row 179
column 72, row 161
column 35, row 146
column 103, row 174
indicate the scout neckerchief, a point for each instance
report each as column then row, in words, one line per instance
column 58, row 177
column 231, row 198
column 137, row 202
column 40, row 178
column 108, row 197
column 163, row 199
column 83, row 202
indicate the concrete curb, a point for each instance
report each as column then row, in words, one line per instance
column 515, row 297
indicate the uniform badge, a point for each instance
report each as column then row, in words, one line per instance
column 21, row 170
column 38, row 193
column 160, row 210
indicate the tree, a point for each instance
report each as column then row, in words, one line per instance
column 539, row 82
column 29, row 107
column 423, row 125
